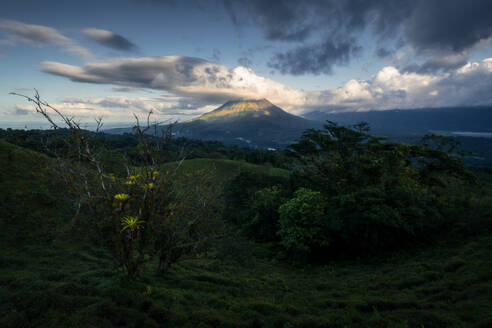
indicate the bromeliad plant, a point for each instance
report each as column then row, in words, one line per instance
column 132, row 223
column 143, row 213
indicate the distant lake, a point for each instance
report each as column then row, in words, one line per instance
column 473, row 134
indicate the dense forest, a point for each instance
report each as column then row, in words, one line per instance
column 340, row 229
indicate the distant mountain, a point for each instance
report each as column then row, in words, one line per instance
column 259, row 123
column 471, row 126
column 254, row 123
column 416, row 122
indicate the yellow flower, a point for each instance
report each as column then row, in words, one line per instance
column 121, row 197
column 134, row 177
column 148, row 186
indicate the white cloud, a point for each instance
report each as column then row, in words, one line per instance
column 469, row 85
column 184, row 76
column 39, row 36
column 205, row 84
column 120, row 109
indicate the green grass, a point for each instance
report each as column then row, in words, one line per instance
column 66, row 284
column 224, row 169
column 32, row 196
column 50, row 279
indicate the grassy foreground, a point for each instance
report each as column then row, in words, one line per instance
column 65, row 285
column 53, row 279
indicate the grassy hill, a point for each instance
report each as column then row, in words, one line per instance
column 32, row 196
column 49, row 279
column 224, row 169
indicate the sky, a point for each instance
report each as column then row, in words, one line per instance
column 180, row 59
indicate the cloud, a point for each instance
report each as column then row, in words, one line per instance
column 469, row 85
column 39, row 36
column 315, row 59
column 383, row 52
column 452, row 25
column 121, row 109
column 192, row 83
column 323, row 33
column 126, row 89
column 183, row 76
column 280, row 20
column 71, row 109
column 21, row 111
column 109, row 39
column 439, row 62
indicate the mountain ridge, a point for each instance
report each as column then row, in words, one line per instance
column 415, row 121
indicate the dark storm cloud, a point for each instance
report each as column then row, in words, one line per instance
column 438, row 63
column 280, row 20
column 109, row 39
column 453, row 25
column 429, row 27
column 383, row 52
column 315, row 58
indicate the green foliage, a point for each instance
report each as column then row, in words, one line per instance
column 125, row 147
column 239, row 194
column 192, row 221
column 378, row 218
column 358, row 194
column 304, row 224
column 264, row 204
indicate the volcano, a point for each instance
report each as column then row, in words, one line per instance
column 256, row 123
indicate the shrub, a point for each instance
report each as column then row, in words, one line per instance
column 304, row 223
column 239, row 194
column 378, row 218
column 264, row 224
